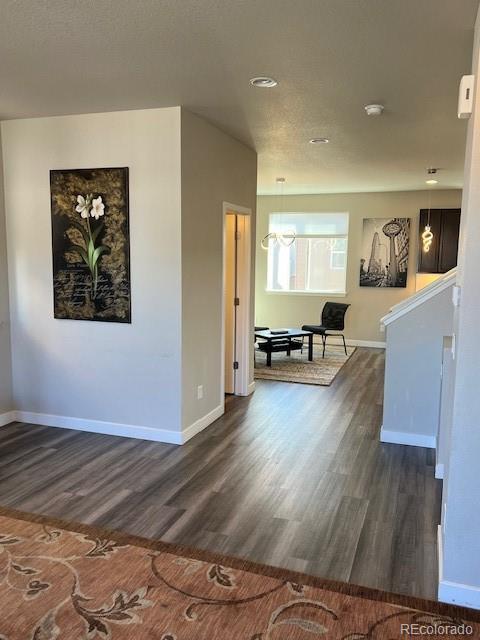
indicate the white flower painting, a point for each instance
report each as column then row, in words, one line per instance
column 98, row 208
column 91, row 256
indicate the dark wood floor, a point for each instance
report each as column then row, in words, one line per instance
column 292, row 476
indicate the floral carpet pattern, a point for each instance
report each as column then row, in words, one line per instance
column 81, row 583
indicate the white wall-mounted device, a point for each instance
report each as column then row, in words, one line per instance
column 465, row 96
column 456, row 295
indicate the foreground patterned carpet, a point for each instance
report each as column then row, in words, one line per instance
column 59, row 582
column 297, row 367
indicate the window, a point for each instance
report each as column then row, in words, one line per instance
column 338, row 256
column 308, row 253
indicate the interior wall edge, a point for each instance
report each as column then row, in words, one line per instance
column 7, row 418
column 202, row 423
column 6, row 384
column 462, row 595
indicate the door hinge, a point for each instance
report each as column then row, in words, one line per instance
column 236, row 302
column 235, row 365
column 238, row 235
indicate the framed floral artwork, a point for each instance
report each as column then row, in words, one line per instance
column 91, row 244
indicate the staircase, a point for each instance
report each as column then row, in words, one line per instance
column 415, row 337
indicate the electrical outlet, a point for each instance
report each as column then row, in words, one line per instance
column 200, row 392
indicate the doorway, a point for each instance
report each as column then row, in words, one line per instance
column 237, row 330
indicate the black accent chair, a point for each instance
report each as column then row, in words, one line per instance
column 332, row 323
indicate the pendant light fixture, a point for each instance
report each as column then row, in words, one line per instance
column 284, row 240
column 427, row 235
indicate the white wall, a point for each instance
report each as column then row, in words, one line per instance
column 367, row 305
column 216, row 168
column 91, row 371
column 5, row 353
column 460, row 559
column 446, row 408
column 413, row 363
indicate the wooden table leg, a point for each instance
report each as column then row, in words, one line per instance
column 310, row 347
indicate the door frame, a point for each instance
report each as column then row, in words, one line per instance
column 242, row 384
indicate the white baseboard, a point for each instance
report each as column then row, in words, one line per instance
column 7, row 418
column 463, row 595
column 352, row 343
column 202, row 423
column 439, row 471
column 114, row 428
column 412, row 439
column 98, row 426
column 366, row 343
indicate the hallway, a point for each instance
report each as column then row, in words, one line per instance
column 292, row 476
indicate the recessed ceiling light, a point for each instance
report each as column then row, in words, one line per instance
column 264, row 82
column 374, row 109
column 319, row 141
column 431, row 181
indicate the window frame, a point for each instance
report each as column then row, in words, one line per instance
column 309, row 292
column 343, row 253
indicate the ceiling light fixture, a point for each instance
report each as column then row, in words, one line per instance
column 427, row 235
column 319, row 141
column 374, row 109
column 431, row 171
column 264, row 82
column 427, row 238
column 273, row 237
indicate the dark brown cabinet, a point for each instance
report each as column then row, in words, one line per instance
column 445, row 226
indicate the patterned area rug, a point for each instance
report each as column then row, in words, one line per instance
column 297, row 367
column 72, row 582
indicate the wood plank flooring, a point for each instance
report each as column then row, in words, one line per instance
column 292, row 476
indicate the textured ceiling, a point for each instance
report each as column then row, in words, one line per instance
column 330, row 57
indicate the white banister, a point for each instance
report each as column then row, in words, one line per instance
column 415, row 331
column 422, row 296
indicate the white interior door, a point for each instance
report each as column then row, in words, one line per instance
column 237, row 332
column 229, row 298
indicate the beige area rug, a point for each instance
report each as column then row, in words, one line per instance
column 297, row 368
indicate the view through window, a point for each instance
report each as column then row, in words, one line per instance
column 307, row 252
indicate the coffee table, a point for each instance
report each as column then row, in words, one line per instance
column 288, row 341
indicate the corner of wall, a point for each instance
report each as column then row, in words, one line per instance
column 139, row 363
column 6, row 395
column 215, row 168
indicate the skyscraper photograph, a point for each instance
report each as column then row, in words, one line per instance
column 384, row 258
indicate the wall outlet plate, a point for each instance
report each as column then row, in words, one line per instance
column 200, row 392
